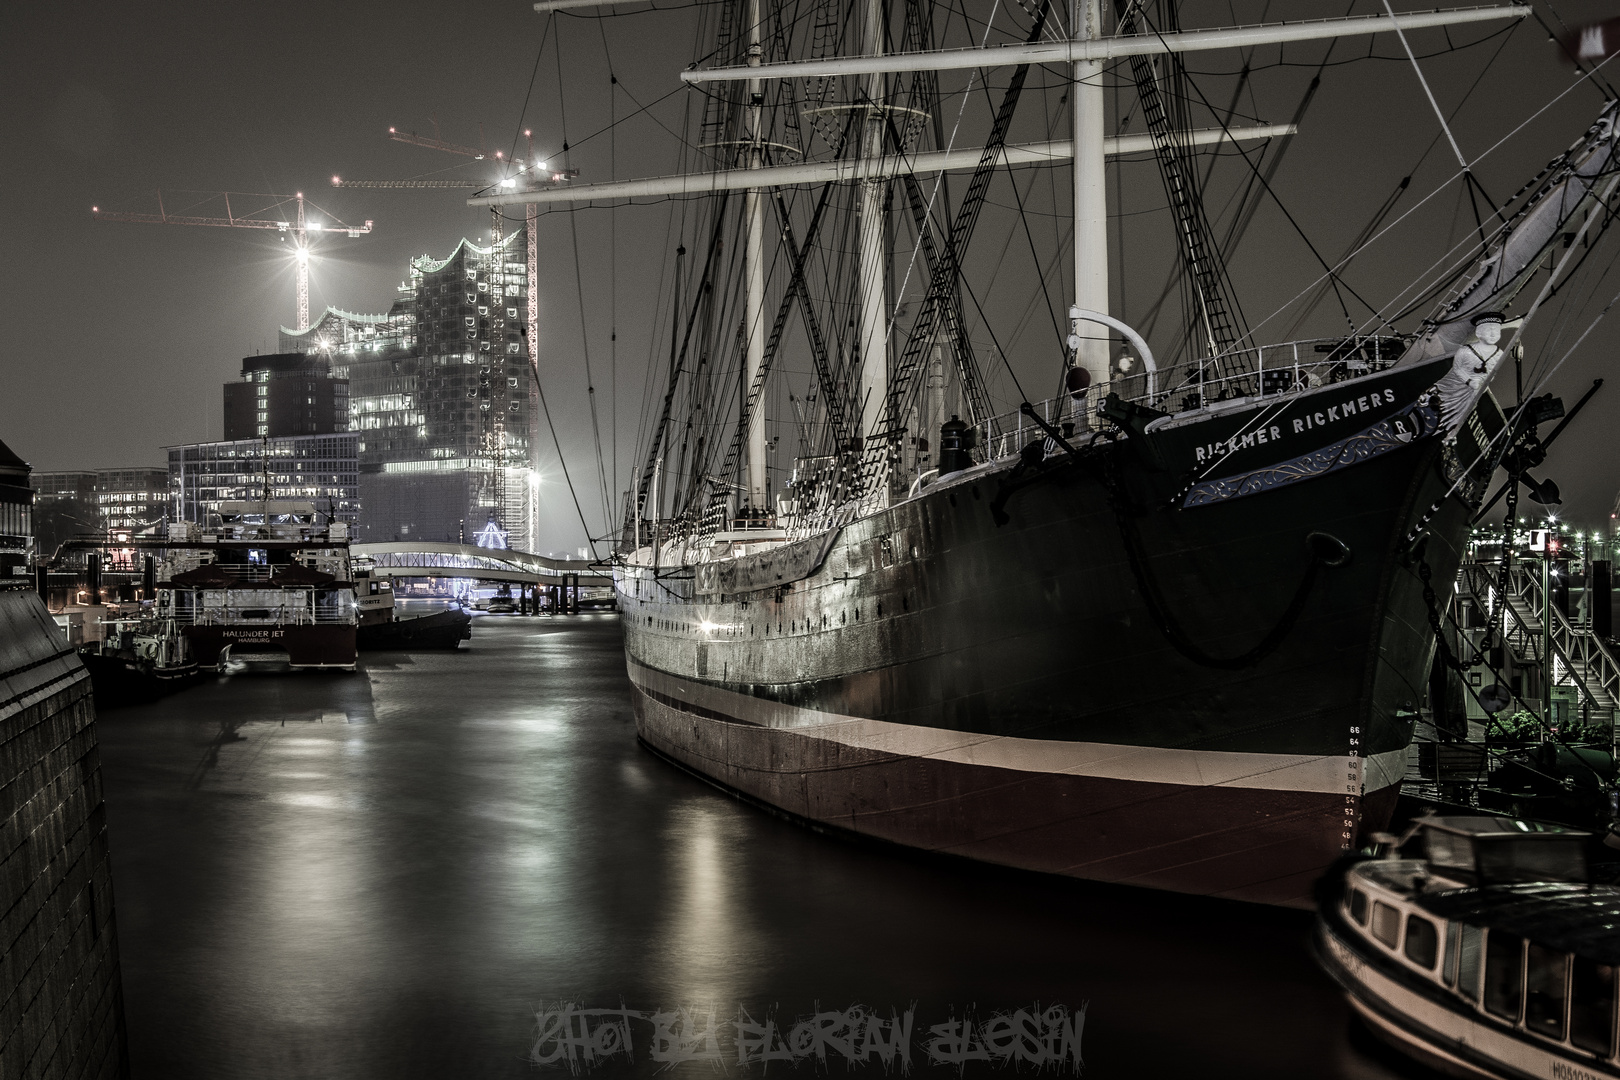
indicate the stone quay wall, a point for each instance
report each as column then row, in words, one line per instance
column 61, row 1005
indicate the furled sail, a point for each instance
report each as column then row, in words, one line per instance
column 1568, row 186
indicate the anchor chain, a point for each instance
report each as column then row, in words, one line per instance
column 1154, row 600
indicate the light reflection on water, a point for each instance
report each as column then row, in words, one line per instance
column 483, row 834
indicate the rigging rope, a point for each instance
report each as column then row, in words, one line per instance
column 579, row 291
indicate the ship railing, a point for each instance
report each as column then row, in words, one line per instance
column 1239, row 376
column 1251, row 374
column 320, row 615
column 251, row 571
column 1002, row 435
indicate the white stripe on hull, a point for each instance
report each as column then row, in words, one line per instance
column 1318, row 774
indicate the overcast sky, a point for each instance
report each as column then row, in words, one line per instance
column 118, row 336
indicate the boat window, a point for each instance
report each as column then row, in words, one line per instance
column 1358, row 906
column 1591, row 1006
column 1422, row 942
column 1450, row 851
column 1386, row 923
column 1468, row 962
column 1545, row 972
column 1504, row 974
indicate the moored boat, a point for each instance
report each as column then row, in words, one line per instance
column 381, row 628
column 1172, row 627
column 271, row 587
column 137, row 660
column 1480, row 946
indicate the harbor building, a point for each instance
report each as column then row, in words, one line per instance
column 74, row 502
column 132, row 499
column 16, row 515
column 311, row 468
column 78, row 485
column 286, row 394
column 441, row 398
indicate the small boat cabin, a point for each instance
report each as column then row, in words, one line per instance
column 1484, row 942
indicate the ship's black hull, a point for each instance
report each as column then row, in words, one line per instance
column 330, row 645
column 1029, row 693
column 441, row 630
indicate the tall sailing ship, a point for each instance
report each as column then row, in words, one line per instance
column 1170, row 628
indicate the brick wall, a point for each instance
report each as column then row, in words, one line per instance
column 61, row 1007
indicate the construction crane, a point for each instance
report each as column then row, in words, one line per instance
column 407, row 185
column 437, row 143
column 536, row 170
column 299, row 227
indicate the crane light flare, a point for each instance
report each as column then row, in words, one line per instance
column 299, row 229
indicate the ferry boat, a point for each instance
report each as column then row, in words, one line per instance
column 268, row 586
column 1480, row 947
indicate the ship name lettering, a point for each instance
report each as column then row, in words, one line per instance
column 1245, row 441
column 1348, row 408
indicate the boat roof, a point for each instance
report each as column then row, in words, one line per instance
column 1582, row 919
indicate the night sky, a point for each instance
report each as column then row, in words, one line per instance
column 118, row 336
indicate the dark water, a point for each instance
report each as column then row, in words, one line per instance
column 387, row 875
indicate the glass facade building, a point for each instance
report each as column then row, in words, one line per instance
column 16, row 516
column 441, row 398
column 95, row 500
column 320, row 469
column 132, row 499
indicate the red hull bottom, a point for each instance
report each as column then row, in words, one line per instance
column 1263, row 846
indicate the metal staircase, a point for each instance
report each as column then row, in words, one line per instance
column 1580, row 658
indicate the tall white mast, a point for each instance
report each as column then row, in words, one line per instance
column 1090, row 192
column 869, row 275
column 754, row 258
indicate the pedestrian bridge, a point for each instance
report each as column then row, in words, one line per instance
column 407, row 559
